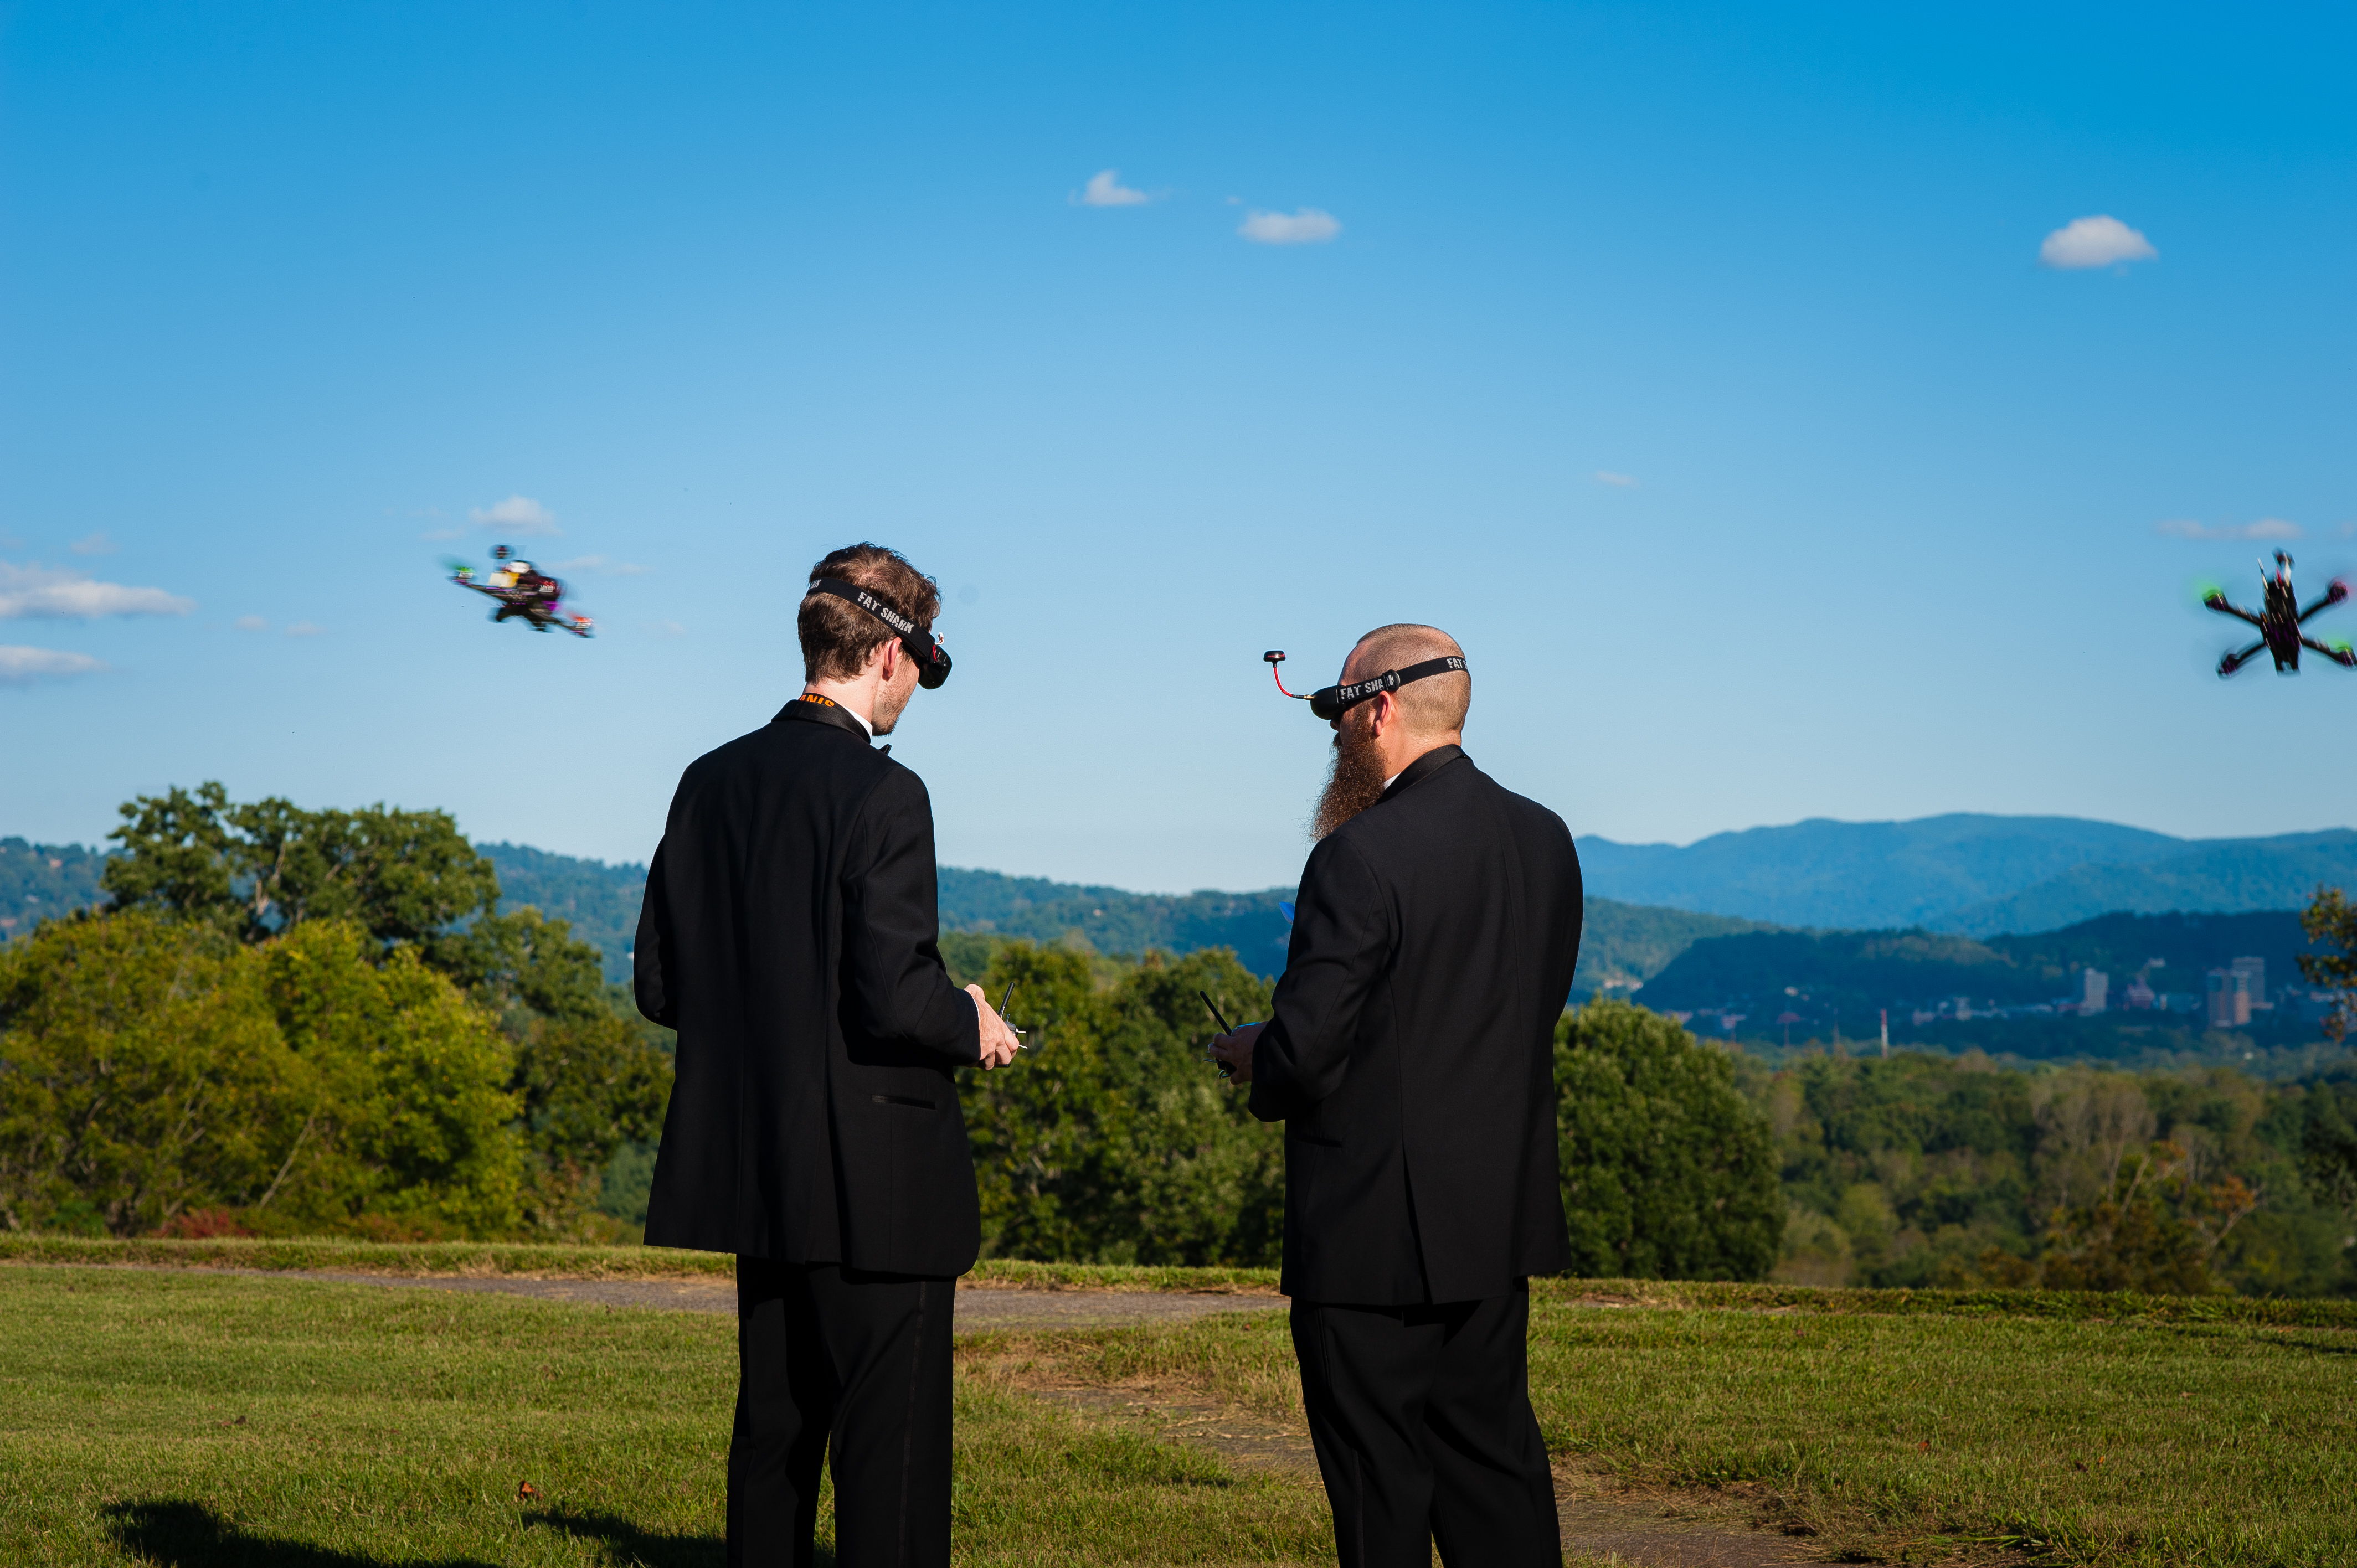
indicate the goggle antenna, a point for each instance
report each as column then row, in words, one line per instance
column 1276, row 656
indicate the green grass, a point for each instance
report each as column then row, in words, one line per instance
column 207, row 1420
column 1891, row 1431
column 567, row 1260
column 393, row 1426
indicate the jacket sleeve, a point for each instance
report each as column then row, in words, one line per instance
column 895, row 983
column 651, row 969
column 1341, row 942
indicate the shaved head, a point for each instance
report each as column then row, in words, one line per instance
column 1434, row 705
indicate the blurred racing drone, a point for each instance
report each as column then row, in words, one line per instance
column 522, row 592
column 2280, row 621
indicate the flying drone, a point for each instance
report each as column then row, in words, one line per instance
column 2279, row 622
column 523, row 592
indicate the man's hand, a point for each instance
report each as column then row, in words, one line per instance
column 1236, row 1050
column 999, row 1042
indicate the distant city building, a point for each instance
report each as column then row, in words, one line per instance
column 2095, row 990
column 2256, row 968
column 2230, row 998
column 2138, row 996
column 1964, row 1006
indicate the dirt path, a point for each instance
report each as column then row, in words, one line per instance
column 1599, row 1520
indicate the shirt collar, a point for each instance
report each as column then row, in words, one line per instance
column 1422, row 768
column 812, row 708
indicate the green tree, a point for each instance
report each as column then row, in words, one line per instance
column 2328, row 1144
column 1668, row 1172
column 414, row 1120
column 149, row 1069
column 2155, row 1228
column 587, row 1081
column 1111, row 1139
column 257, row 869
column 2331, row 918
column 142, row 1075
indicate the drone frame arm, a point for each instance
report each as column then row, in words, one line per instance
column 2330, row 597
column 2226, row 606
column 2341, row 656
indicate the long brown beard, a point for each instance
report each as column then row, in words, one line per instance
column 1353, row 783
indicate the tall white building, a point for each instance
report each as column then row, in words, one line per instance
column 2257, row 968
column 2095, row 990
column 2230, row 997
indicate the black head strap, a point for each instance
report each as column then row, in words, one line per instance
column 1333, row 702
column 932, row 660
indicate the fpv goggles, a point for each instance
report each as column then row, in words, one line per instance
column 1332, row 702
column 932, row 660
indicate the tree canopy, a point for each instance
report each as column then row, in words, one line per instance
column 1668, row 1172
column 232, row 890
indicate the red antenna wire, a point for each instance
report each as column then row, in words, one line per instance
column 1276, row 657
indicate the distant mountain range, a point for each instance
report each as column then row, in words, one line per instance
column 1975, row 875
column 1972, row 876
column 601, row 900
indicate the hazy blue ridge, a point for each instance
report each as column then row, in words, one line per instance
column 2217, row 875
column 41, row 881
column 1619, row 942
column 1113, row 922
column 600, row 899
column 1861, row 875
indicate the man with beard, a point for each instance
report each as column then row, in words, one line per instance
column 1409, row 1052
column 789, row 936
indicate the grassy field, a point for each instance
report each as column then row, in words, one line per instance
column 560, row 1259
column 204, row 1419
column 1883, row 1430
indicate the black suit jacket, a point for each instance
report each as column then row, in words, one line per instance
column 790, row 935
column 1410, row 1047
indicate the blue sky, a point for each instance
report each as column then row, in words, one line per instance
column 1695, row 366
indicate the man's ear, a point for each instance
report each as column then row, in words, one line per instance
column 886, row 658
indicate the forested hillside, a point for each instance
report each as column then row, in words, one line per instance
column 41, row 881
column 1822, row 980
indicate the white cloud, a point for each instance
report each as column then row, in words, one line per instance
column 1607, row 477
column 95, row 544
column 1104, row 190
column 2096, row 242
column 38, row 592
column 599, row 566
column 517, row 514
column 303, row 628
column 2266, row 528
column 250, row 623
column 1307, row 227
column 22, row 666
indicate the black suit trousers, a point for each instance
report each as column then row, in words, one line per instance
column 831, row 1358
column 1422, row 1420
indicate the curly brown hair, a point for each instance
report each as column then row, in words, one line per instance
column 838, row 635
